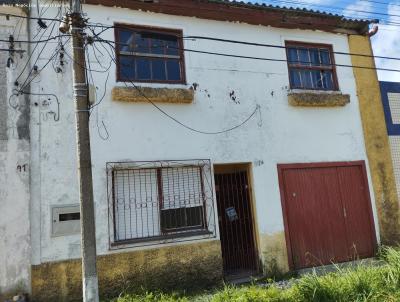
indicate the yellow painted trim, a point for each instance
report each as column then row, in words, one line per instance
column 376, row 140
column 238, row 167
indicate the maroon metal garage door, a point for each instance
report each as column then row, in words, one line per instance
column 327, row 213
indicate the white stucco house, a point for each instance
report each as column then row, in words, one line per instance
column 228, row 140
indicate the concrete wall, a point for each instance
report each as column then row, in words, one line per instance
column 227, row 92
column 15, row 250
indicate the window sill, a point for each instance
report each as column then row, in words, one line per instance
column 156, row 95
column 318, row 98
column 162, row 238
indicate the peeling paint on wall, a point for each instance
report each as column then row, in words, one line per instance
column 15, row 253
column 187, row 266
column 274, row 254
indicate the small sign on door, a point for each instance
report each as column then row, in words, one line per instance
column 231, row 213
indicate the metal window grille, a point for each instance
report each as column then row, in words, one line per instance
column 160, row 200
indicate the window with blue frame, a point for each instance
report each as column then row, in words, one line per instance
column 311, row 66
column 149, row 55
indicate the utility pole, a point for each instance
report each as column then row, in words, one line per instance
column 88, row 231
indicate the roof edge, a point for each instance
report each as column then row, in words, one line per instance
column 256, row 14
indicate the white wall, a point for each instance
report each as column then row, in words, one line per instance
column 14, row 163
column 279, row 133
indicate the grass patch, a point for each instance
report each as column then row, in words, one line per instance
column 360, row 284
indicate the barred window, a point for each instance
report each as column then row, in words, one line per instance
column 311, row 66
column 149, row 55
column 159, row 202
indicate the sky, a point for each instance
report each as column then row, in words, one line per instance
column 385, row 43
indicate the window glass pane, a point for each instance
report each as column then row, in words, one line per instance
column 327, row 78
column 158, row 67
column 295, row 81
column 172, row 46
column 314, row 56
column 143, row 69
column 157, row 46
column 142, row 43
column 173, row 69
column 126, row 40
column 126, row 67
column 316, row 79
column 292, row 55
column 325, row 57
column 303, row 56
column 194, row 216
column 181, row 218
column 172, row 219
column 306, row 79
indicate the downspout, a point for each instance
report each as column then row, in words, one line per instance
column 373, row 30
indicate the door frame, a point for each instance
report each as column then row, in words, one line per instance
column 283, row 167
column 236, row 167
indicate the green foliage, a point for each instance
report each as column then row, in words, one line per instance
column 360, row 284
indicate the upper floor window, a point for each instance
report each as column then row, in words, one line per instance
column 149, row 55
column 311, row 66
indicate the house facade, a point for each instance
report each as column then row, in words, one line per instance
column 227, row 140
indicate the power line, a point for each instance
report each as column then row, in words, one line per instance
column 44, row 66
column 266, row 59
column 175, row 119
column 285, row 47
column 328, row 8
column 29, row 17
column 247, row 43
column 38, row 41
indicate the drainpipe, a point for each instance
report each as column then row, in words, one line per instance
column 373, row 30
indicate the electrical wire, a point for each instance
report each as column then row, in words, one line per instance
column 30, row 56
column 39, row 41
column 44, row 66
column 266, row 59
column 38, row 57
column 181, row 123
column 30, row 18
column 190, row 37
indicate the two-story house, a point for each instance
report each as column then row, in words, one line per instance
column 228, row 140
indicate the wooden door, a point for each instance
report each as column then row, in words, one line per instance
column 327, row 211
column 235, row 223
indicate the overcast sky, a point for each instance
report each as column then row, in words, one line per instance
column 385, row 43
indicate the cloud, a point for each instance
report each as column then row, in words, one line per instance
column 387, row 43
column 357, row 10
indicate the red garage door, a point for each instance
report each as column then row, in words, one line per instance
column 327, row 212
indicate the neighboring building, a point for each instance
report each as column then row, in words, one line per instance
column 305, row 179
column 391, row 105
column 15, row 250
